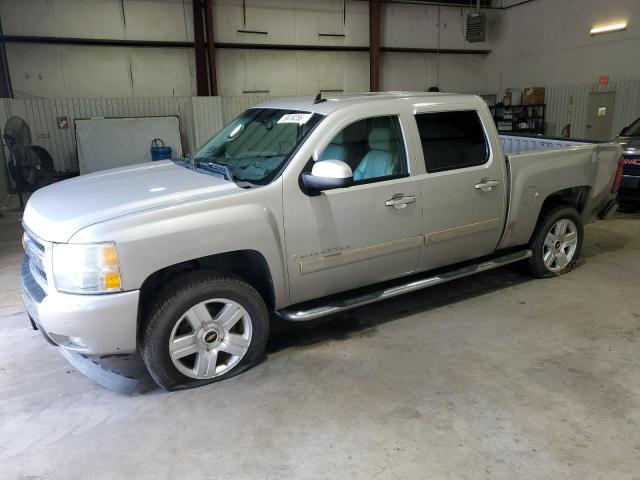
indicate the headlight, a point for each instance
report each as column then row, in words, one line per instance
column 86, row 268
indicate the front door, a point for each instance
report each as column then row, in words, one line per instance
column 464, row 190
column 600, row 116
column 367, row 233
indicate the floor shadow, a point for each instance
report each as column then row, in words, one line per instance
column 344, row 325
column 599, row 241
column 362, row 321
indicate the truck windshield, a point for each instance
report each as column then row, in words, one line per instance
column 257, row 144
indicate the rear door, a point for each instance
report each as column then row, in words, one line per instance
column 464, row 188
column 367, row 233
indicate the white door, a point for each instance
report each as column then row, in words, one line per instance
column 600, row 116
column 360, row 235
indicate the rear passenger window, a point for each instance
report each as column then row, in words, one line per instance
column 372, row 147
column 452, row 140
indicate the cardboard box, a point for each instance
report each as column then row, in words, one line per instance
column 533, row 96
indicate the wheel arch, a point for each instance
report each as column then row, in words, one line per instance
column 520, row 229
column 248, row 265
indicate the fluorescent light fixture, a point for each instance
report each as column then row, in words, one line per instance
column 613, row 27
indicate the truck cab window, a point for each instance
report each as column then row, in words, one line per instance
column 452, row 140
column 372, row 147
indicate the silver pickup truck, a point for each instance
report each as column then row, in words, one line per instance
column 299, row 208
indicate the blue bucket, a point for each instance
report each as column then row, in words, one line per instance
column 159, row 151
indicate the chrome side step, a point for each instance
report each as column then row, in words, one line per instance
column 297, row 314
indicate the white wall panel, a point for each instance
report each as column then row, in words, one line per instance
column 72, row 71
column 207, row 119
column 569, row 105
column 292, row 21
column 417, row 71
column 41, row 115
column 416, row 26
column 111, row 19
column 234, row 106
column 281, row 73
column 547, row 43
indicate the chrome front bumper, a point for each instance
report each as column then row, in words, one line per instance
column 87, row 324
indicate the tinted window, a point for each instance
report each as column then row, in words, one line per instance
column 452, row 140
column 372, row 147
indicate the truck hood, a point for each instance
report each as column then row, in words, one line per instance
column 56, row 212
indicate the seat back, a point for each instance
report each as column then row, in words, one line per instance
column 379, row 161
column 335, row 150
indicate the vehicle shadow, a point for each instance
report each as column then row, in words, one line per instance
column 600, row 241
column 363, row 320
column 344, row 325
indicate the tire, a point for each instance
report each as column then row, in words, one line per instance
column 217, row 325
column 563, row 250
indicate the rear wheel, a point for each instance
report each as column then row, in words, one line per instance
column 556, row 242
column 205, row 327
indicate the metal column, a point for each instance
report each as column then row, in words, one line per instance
column 374, row 45
column 211, row 53
column 202, row 82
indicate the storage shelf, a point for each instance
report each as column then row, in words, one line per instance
column 508, row 118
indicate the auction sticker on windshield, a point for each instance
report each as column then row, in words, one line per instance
column 299, row 118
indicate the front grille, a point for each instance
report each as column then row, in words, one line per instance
column 34, row 249
column 631, row 170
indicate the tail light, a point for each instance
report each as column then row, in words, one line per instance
column 618, row 180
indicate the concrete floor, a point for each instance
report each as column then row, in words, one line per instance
column 494, row 376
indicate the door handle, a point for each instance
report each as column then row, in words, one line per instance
column 400, row 200
column 487, row 185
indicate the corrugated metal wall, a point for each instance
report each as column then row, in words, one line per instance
column 234, row 106
column 200, row 118
column 570, row 103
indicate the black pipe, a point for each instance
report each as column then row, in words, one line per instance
column 244, row 46
column 94, row 41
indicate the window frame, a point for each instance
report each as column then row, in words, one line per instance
column 403, row 137
column 488, row 156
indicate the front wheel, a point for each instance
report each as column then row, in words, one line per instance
column 205, row 327
column 556, row 242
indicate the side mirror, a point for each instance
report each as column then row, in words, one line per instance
column 327, row 175
column 623, row 131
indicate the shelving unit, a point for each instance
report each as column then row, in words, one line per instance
column 519, row 118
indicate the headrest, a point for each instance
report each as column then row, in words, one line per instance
column 379, row 139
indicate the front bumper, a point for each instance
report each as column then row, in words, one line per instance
column 88, row 324
column 629, row 188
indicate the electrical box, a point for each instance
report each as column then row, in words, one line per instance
column 476, row 27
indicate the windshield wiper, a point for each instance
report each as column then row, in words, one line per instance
column 219, row 169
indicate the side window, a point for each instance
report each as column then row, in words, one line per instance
column 452, row 140
column 372, row 147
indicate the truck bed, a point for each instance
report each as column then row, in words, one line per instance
column 519, row 143
column 542, row 166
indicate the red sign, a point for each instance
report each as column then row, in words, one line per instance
column 603, row 80
column 63, row 122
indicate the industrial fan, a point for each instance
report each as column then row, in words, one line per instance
column 30, row 166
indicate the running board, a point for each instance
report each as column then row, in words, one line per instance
column 298, row 314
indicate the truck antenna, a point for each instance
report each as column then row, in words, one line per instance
column 319, row 98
